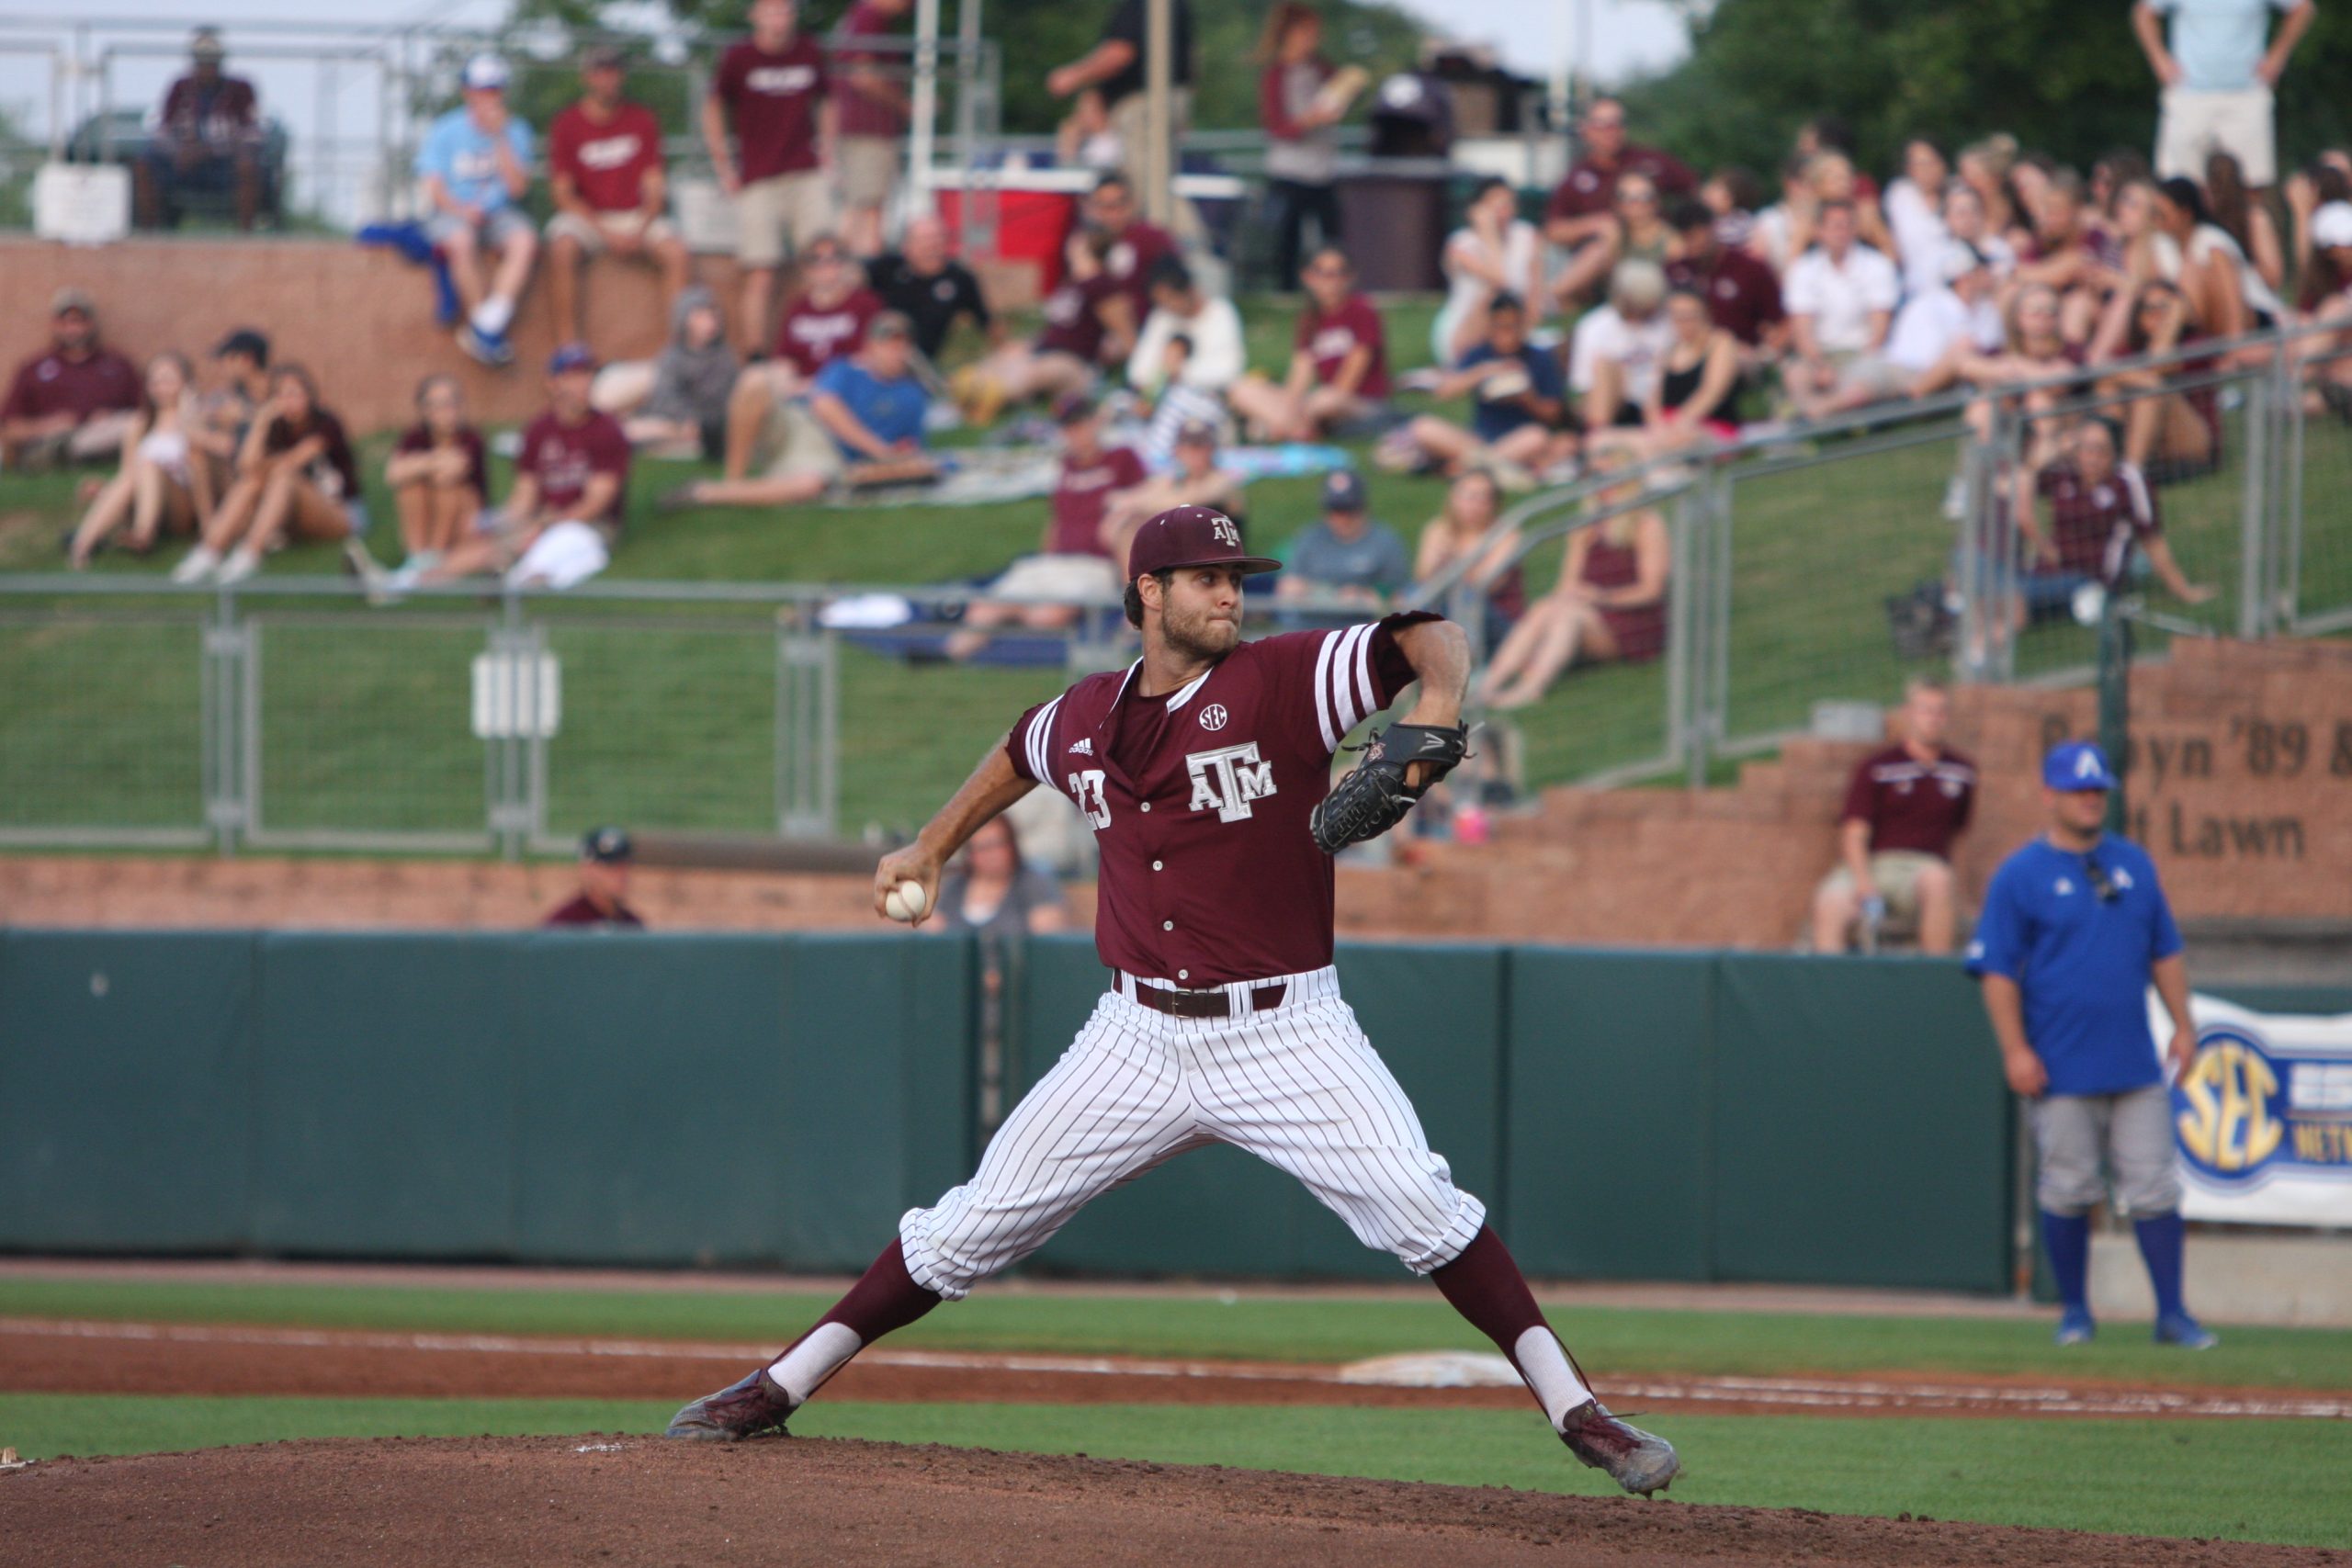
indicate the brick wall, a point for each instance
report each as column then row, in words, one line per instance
column 361, row 318
column 2242, row 773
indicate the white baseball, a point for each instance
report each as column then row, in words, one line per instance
column 904, row 902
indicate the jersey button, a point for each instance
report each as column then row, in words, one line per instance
column 1183, row 973
column 1155, row 865
column 1145, row 807
column 1168, row 925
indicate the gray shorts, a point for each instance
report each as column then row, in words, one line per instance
column 2081, row 1137
column 497, row 230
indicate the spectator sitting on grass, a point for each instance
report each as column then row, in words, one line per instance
column 1090, row 324
column 1345, row 557
column 164, row 483
column 439, row 474
column 1196, row 480
column 924, row 282
column 2101, row 510
column 1131, row 248
column 207, row 136
column 611, row 190
column 1915, row 216
column 76, row 402
column 1964, row 219
column 1841, row 297
column 243, row 359
column 2246, row 219
column 1338, row 362
column 1741, row 293
column 821, row 323
column 2226, row 296
column 2168, row 435
column 1210, row 327
column 1495, row 254
column 1517, row 392
column 2033, row 349
column 476, row 165
column 2073, row 253
column 1469, row 529
column 1904, row 811
column 2317, row 185
column 606, row 856
column 1956, row 317
column 1609, row 603
column 861, row 424
column 1613, row 361
column 1640, row 233
column 1581, row 205
column 295, row 475
column 675, row 405
column 1694, row 396
column 563, row 513
column 1073, row 561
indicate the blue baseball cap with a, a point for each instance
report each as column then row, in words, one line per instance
column 2078, row 765
column 572, row 356
column 1343, row 492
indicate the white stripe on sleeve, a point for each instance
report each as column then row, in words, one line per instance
column 1323, row 689
column 1041, row 738
column 1343, row 681
column 1369, row 693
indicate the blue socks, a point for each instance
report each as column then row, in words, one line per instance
column 2161, row 1238
column 2067, row 1239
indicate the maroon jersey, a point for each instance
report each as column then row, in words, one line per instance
column 333, row 471
column 812, row 336
column 1329, row 340
column 1074, row 317
column 1199, row 799
column 564, row 458
column 2094, row 525
column 1083, row 493
column 417, row 438
column 583, row 911
column 1743, row 294
column 1911, row 805
column 1132, row 256
column 221, row 114
column 1590, row 188
column 1639, row 629
column 861, row 115
column 100, row 382
column 772, row 100
column 606, row 161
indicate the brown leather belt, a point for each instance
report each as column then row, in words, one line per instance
column 1205, row 1004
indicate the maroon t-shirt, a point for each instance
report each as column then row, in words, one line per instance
column 417, row 438
column 1742, row 292
column 1082, row 494
column 607, row 162
column 105, row 382
column 812, row 336
column 1132, row 256
column 564, row 458
column 862, row 116
column 227, row 114
column 2094, row 525
column 1074, row 317
column 1329, row 340
column 1199, row 799
column 1589, row 188
column 1912, row 804
column 772, row 101
column 333, row 470
column 582, row 911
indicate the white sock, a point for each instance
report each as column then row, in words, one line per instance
column 1546, row 1367
column 802, row 1370
column 492, row 314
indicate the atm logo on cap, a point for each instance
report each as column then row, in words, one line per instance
column 1225, row 532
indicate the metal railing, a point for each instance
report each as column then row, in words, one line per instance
column 1833, row 560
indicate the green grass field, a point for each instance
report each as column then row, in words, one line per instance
column 670, row 717
column 2261, row 1480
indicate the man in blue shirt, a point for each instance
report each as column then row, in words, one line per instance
column 1346, row 558
column 2217, row 73
column 2075, row 929
column 862, row 425
column 476, row 167
column 1517, row 392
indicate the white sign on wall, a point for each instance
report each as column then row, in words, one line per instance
column 2263, row 1116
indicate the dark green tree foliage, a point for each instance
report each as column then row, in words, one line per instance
column 1034, row 37
column 2064, row 76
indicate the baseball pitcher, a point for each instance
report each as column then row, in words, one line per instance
column 1204, row 770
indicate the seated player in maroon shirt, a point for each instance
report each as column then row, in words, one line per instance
column 2102, row 517
column 606, row 856
column 1045, row 592
column 1582, row 205
column 1131, row 247
column 1339, row 361
column 1741, row 292
column 1091, row 323
column 1904, row 811
column 825, row 322
column 72, row 403
column 610, row 187
column 1198, row 769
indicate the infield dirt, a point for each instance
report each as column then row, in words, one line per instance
column 630, row 1501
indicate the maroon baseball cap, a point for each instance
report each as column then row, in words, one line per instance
column 1191, row 536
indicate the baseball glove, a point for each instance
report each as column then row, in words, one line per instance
column 1373, row 797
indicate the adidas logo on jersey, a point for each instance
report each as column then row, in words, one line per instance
column 1082, row 748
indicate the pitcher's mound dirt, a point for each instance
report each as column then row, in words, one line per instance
column 630, row 1501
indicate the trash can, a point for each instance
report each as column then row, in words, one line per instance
column 1393, row 213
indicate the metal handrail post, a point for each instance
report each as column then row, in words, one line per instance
column 2253, row 532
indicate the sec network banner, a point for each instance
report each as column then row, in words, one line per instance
column 2263, row 1116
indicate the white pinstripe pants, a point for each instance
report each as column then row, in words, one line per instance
column 1299, row 1086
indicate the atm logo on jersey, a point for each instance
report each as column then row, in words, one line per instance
column 1228, row 779
column 2244, row 1110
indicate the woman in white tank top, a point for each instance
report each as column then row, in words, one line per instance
column 157, row 487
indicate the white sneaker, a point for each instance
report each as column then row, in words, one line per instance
column 197, row 565
column 240, row 564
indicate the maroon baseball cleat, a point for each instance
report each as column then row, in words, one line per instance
column 752, row 1408
column 1635, row 1459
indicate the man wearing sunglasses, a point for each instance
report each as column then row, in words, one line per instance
column 2075, row 929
